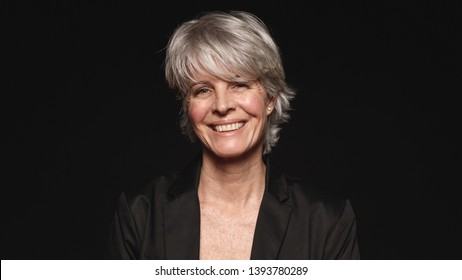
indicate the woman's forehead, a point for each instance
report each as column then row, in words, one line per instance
column 225, row 75
column 200, row 67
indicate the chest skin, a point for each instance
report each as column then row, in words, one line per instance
column 227, row 232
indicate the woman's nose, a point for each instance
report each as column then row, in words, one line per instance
column 223, row 102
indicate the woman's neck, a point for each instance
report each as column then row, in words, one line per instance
column 237, row 181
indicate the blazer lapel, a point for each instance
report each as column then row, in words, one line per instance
column 182, row 216
column 273, row 218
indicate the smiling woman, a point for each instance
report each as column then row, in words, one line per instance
column 231, row 202
column 229, row 117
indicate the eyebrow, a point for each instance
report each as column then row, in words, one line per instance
column 237, row 79
column 200, row 83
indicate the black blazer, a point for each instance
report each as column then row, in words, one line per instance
column 295, row 221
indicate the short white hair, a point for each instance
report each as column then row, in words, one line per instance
column 226, row 44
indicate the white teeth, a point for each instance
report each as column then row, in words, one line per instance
column 228, row 127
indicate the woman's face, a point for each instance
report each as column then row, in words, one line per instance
column 228, row 117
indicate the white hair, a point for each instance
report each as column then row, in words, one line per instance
column 225, row 44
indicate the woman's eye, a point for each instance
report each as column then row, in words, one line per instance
column 201, row 91
column 240, row 85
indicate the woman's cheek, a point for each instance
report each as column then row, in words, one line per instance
column 197, row 112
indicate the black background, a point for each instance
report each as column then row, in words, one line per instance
column 88, row 113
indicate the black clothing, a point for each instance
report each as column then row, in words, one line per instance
column 295, row 221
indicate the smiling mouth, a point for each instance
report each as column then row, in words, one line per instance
column 228, row 127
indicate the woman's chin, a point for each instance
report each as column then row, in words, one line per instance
column 228, row 154
column 232, row 153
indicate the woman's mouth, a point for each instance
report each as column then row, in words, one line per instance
column 228, row 127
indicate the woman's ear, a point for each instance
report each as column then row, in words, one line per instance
column 270, row 105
